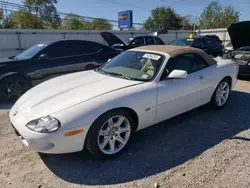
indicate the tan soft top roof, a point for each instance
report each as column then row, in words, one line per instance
column 178, row 50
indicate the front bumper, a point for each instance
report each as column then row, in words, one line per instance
column 53, row 143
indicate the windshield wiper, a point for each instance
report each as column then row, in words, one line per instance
column 119, row 75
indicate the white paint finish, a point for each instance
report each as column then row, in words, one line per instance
column 78, row 99
column 178, row 74
column 82, row 86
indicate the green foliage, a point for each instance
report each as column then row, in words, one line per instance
column 74, row 21
column 215, row 16
column 1, row 15
column 101, row 24
column 23, row 19
column 46, row 11
column 163, row 18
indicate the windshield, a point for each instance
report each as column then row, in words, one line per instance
column 182, row 42
column 31, row 52
column 134, row 65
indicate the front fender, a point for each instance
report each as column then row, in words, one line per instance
column 140, row 98
column 3, row 76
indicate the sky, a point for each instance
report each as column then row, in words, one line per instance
column 142, row 8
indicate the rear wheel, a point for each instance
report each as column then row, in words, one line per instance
column 12, row 87
column 110, row 134
column 221, row 94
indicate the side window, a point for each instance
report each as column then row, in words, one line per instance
column 187, row 62
column 199, row 43
column 198, row 62
column 87, row 47
column 149, row 41
column 72, row 48
column 59, row 50
column 211, row 42
column 138, row 41
column 158, row 40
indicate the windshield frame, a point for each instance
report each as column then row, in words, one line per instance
column 134, row 79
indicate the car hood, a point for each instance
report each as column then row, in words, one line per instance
column 65, row 91
column 111, row 39
column 239, row 34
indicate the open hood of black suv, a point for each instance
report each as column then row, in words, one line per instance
column 239, row 34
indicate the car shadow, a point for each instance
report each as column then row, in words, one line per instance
column 158, row 148
column 244, row 78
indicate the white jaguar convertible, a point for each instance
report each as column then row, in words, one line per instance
column 101, row 109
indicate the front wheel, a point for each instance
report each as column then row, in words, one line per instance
column 13, row 87
column 221, row 94
column 110, row 134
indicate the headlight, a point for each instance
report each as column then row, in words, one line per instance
column 44, row 125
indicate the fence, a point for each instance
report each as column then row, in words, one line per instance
column 222, row 33
column 14, row 41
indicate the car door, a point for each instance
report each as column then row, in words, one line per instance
column 176, row 96
column 60, row 59
column 149, row 41
column 93, row 55
column 158, row 41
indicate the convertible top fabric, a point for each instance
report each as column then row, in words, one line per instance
column 178, row 50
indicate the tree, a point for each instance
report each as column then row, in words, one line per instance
column 186, row 23
column 23, row 19
column 215, row 16
column 163, row 18
column 74, row 21
column 1, row 17
column 6, row 20
column 46, row 11
column 101, row 24
column 229, row 16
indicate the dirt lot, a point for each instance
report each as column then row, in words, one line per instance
column 202, row 148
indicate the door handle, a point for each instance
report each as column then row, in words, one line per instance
column 201, row 77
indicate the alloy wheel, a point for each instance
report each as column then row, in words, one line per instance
column 114, row 134
column 222, row 93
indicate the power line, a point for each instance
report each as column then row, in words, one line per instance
column 19, row 6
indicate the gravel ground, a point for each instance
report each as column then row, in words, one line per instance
column 202, row 148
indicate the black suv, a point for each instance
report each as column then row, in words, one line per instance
column 211, row 44
column 47, row 60
column 116, row 43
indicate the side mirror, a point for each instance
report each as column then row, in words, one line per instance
column 43, row 57
column 178, row 74
column 109, row 60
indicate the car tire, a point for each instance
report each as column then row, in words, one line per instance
column 12, row 87
column 221, row 94
column 110, row 134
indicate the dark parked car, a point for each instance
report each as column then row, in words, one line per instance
column 117, row 43
column 47, row 60
column 210, row 44
column 240, row 38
